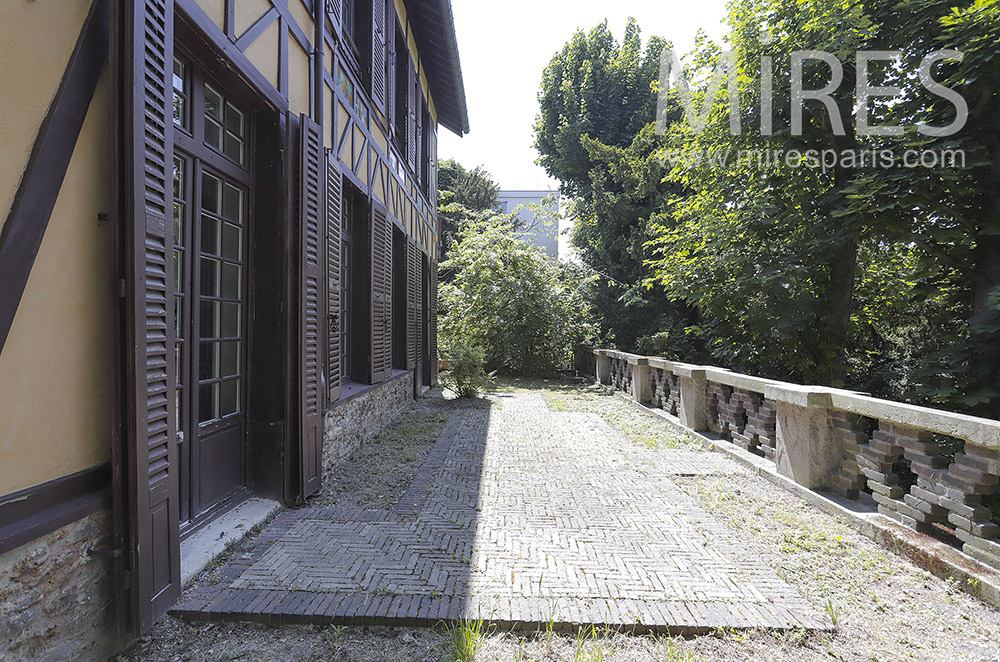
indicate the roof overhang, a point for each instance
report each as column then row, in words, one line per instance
column 434, row 32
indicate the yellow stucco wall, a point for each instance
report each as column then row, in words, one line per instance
column 298, row 78
column 30, row 76
column 263, row 53
column 55, row 369
column 216, row 10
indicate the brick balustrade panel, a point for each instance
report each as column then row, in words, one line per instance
column 850, row 430
column 621, row 375
column 757, row 419
column 718, row 409
column 657, row 383
column 887, row 444
column 971, row 477
column 674, row 394
column 665, row 389
column 744, row 417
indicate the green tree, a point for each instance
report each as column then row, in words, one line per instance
column 950, row 215
column 463, row 197
column 594, row 134
column 508, row 298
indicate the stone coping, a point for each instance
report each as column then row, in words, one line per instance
column 973, row 429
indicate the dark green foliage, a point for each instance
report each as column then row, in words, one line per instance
column 463, row 197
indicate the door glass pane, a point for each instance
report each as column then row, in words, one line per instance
column 178, row 317
column 230, row 359
column 178, row 223
column 178, row 271
column 209, row 277
column 232, row 203
column 211, row 193
column 225, row 126
column 208, row 360
column 213, row 103
column 234, row 119
column 213, row 133
column 230, row 281
column 180, row 102
column 229, row 397
column 209, row 235
column 232, row 242
column 233, row 148
column 230, row 320
column 209, row 319
column 208, row 402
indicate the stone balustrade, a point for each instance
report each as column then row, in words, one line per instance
column 931, row 470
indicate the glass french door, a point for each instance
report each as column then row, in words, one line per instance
column 212, row 185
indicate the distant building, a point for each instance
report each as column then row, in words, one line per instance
column 542, row 229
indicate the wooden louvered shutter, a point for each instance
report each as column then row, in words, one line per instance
column 333, row 14
column 390, row 58
column 433, row 311
column 143, row 117
column 411, row 115
column 334, row 201
column 419, row 141
column 412, row 304
column 378, row 55
column 311, row 326
column 381, row 309
column 432, row 165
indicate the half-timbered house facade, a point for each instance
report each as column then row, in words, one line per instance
column 218, row 258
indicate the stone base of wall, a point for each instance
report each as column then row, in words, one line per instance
column 55, row 598
column 362, row 417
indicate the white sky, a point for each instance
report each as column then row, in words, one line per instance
column 505, row 46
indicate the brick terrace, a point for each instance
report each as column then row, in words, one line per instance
column 520, row 515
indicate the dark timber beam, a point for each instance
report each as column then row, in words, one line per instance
column 50, row 156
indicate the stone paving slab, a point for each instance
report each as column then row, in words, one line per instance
column 521, row 516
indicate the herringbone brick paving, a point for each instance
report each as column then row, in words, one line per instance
column 520, row 515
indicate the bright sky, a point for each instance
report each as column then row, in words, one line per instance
column 504, row 47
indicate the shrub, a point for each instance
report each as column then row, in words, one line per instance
column 465, row 373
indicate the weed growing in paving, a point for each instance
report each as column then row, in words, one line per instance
column 465, row 638
column 590, row 645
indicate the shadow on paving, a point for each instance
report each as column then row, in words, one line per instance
column 408, row 565
column 523, row 517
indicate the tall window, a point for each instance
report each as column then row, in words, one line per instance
column 356, row 19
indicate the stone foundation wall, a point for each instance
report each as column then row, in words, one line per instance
column 348, row 423
column 55, row 598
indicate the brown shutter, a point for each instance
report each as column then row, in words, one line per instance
column 333, row 13
column 378, row 55
column 390, row 78
column 333, row 237
column 412, row 302
column 311, row 182
column 411, row 115
column 432, row 167
column 381, row 294
column 419, row 140
column 434, row 322
column 144, row 131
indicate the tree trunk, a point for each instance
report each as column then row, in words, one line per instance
column 843, row 268
column 985, row 360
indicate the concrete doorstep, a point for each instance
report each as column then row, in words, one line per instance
column 925, row 551
column 212, row 540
